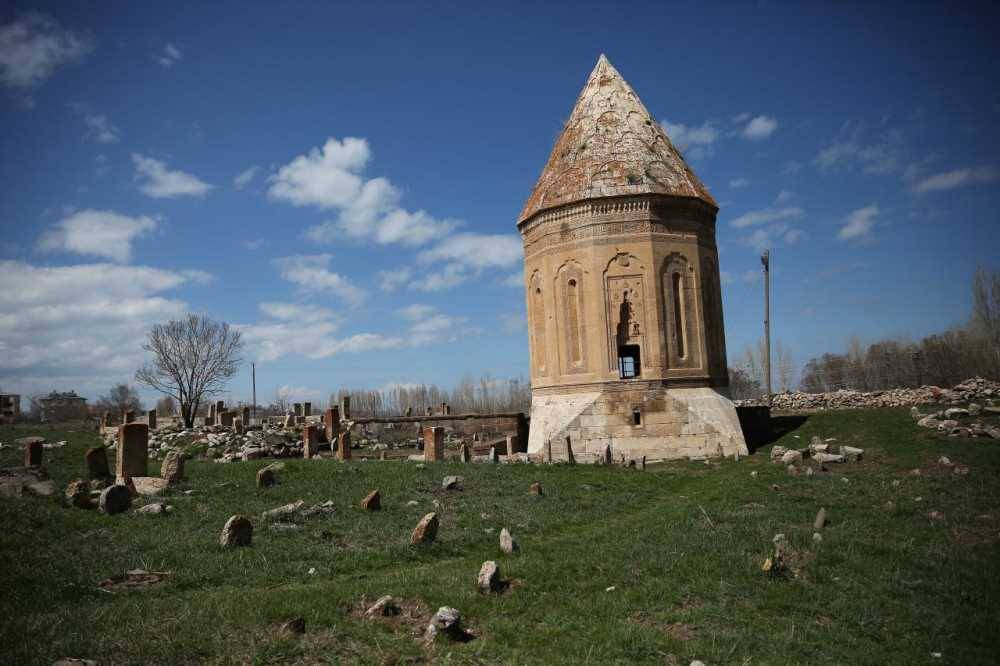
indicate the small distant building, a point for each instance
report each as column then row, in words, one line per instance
column 66, row 406
column 10, row 407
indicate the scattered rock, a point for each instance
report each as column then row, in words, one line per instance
column 944, row 460
column 823, row 458
column 297, row 625
column 283, row 511
column 777, row 452
column 507, row 543
column 790, row 457
column 426, row 530
column 149, row 485
column 74, row 661
column 41, row 488
column 489, row 578
column 955, row 412
column 115, row 499
column 446, row 622
column 536, row 489
column 961, row 470
column 135, row 580
column 820, row 521
column 172, row 469
column 265, row 477
column 851, row 453
column 385, row 607
column 453, row 483
column 817, row 537
column 237, row 532
column 372, row 502
column 78, row 494
column 157, row 508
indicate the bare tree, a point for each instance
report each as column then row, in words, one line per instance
column 166, row 406
column 120, row 399
column 192, row 359
column 785, row 366
column 986, row 305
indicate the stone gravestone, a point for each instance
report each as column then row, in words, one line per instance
column 226, row 419
column 128, row 416
column 151, row 419
column 97, row 463
column 513, row 445
column 331, row 421
column 133, row 450
column 210, row 417
column 409, row 411
column 238, row 426
column 246, row 416
column 310, row 441
column 106, row 420
column 466, row 452
column 33, row 451
column 172, row 469
column 297, row 409
column 344, row 445
column 307, row 409
column 345, row 408
column 434, row 443
column 428, row 411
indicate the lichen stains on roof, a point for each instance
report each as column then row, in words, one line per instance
column 611, row 146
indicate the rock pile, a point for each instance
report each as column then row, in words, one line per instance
column 976, row 389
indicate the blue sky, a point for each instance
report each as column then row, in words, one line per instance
column 343, row 181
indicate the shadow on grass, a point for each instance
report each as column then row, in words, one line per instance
column 780, row 426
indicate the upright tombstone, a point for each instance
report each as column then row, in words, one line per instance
column 210, row 417
column 513, row 445
column 307, row 409
column 96, row 460
column 226, row 418
column 34, row 449
column 331, row 421
column 444, row 408
column 447, row 409
column 622, row 280
column 466, row 452
column 151, row 419
column 310, row 441
column 106, row 420
column 297, row 408
column 344, row 445
column 133, row 451
column 409, row 411
column 428, row 411
column 246, row 416
column 220, row 406
column 434, row 444
column 128, row 416
column 238, row 427
column 345, row 408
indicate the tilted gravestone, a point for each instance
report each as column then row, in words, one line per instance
column 344, row 445
column 331, row 422
column 133, row 450
column 96, row 460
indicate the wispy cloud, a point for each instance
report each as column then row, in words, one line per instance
column 160, row 182
column 33, row 45
column 170, row 56
column 759, row 127
column 949, row 180
column 739, row 183
column 99, row 233
column 244, row 177
column 765, row 215
column 311, row 272
column 858, row 223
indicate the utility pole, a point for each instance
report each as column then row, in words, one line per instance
column 253, row 384
column 765, row 259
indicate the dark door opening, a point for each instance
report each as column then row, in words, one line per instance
column 629, row 366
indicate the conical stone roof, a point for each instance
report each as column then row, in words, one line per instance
column 611, row 146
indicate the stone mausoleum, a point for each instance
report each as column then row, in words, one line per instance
column 622, row 284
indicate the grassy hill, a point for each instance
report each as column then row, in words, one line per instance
column 616, row 565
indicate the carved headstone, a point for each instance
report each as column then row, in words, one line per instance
column 310, row 441
column 345, row 408
column 297, row 408
column 128, row 416
column 172, row 469
column 344, row 445
column 246, row 416
column 133, row 450
column 331, row 422
column 151, row 419
column 466, row 453
column 434, row 444
column 307, row 409
column 33, row 451
column 426, row 530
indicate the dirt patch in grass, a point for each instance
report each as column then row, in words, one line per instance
column 412, row 618
column 677, row 630
column 984, row 530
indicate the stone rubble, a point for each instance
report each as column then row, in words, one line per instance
column 976, row 390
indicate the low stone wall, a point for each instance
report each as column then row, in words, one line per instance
column 971, row 390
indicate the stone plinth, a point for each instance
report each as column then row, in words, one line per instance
column 310, row 441
column 434, row 443
column 344, row 445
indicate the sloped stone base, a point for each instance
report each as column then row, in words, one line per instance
column 674, row 423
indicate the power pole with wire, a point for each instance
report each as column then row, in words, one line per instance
column 253, row 384
column 765, row 259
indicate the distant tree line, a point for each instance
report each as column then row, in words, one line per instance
column 942, row 359
column 485, row 395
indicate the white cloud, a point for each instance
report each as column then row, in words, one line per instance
column 759, row 128
column 515, row 280
column 311, row 272
column 765, row 215
column 958, row 178
column 390, row 280
column 284, row 334
column 81, row 326
column 329, row 178
column 171, row 55
column 100, row 129
column 849, row 151
column 738, row 183
column 685, row 136
column 244, row 177
column 513, row 322
column 784, row 196
column 858, row 224
column 465, row 256
column 255, row 243
column 32, row 46
column 99, row 233
column 160, row 182
column 793, row 236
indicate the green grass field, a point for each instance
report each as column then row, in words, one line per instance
column 616, row 565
